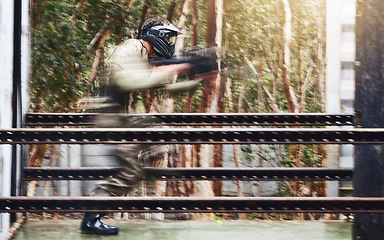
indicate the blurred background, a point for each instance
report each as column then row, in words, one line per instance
column 272, row 59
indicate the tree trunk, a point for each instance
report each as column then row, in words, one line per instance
column 187, row 150
column 181, row 26
column 36, row 10
column 36, row 156
column 79, row 7
column 288, row 90
column 195, row 23
column 289, row 93
column 218, row 43
column 260, row 99
column 239, row 184
column 300, row 63
column 149, row 97
column 187, row 162
column 144, row 13
column 208, row 103
column 243, row 86
column 211, row 23
column 218, row 149
column 321, row 59
column 99, row 40
column 96, row 64
column 171, row 10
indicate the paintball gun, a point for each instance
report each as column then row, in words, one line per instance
column 202, row 59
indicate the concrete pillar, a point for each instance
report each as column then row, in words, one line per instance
column 6, row 68
column 14, row 65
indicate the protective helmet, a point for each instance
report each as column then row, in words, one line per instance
column 162, row 39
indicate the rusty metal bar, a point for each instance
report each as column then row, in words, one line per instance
column 192, row 136
column 198, row 119
column 182, row 174
column 193, row 204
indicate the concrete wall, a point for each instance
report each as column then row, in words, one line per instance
column 250, row 188
column 6, row 68
column 75, row 156
column 7, row 91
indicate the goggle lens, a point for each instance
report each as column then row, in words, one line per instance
column 170, row 39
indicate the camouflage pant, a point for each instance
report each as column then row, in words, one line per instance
column 130, row 159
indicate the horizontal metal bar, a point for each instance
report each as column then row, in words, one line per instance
column 192, row 136
column 193, row 204
column 182, row 174
column 197, row 119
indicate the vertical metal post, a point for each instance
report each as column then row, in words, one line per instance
column 369, row 105
column 16, row 95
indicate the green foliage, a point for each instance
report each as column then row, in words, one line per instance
column 62, row 55
column 58, row 58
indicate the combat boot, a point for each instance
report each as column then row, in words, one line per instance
column 91, row 224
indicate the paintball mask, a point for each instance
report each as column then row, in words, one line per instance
column 162, row 39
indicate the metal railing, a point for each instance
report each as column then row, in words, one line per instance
column 243, row 131
column 193, row 174
column 198, row 119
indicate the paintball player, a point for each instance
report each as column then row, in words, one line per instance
column 132, row 68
